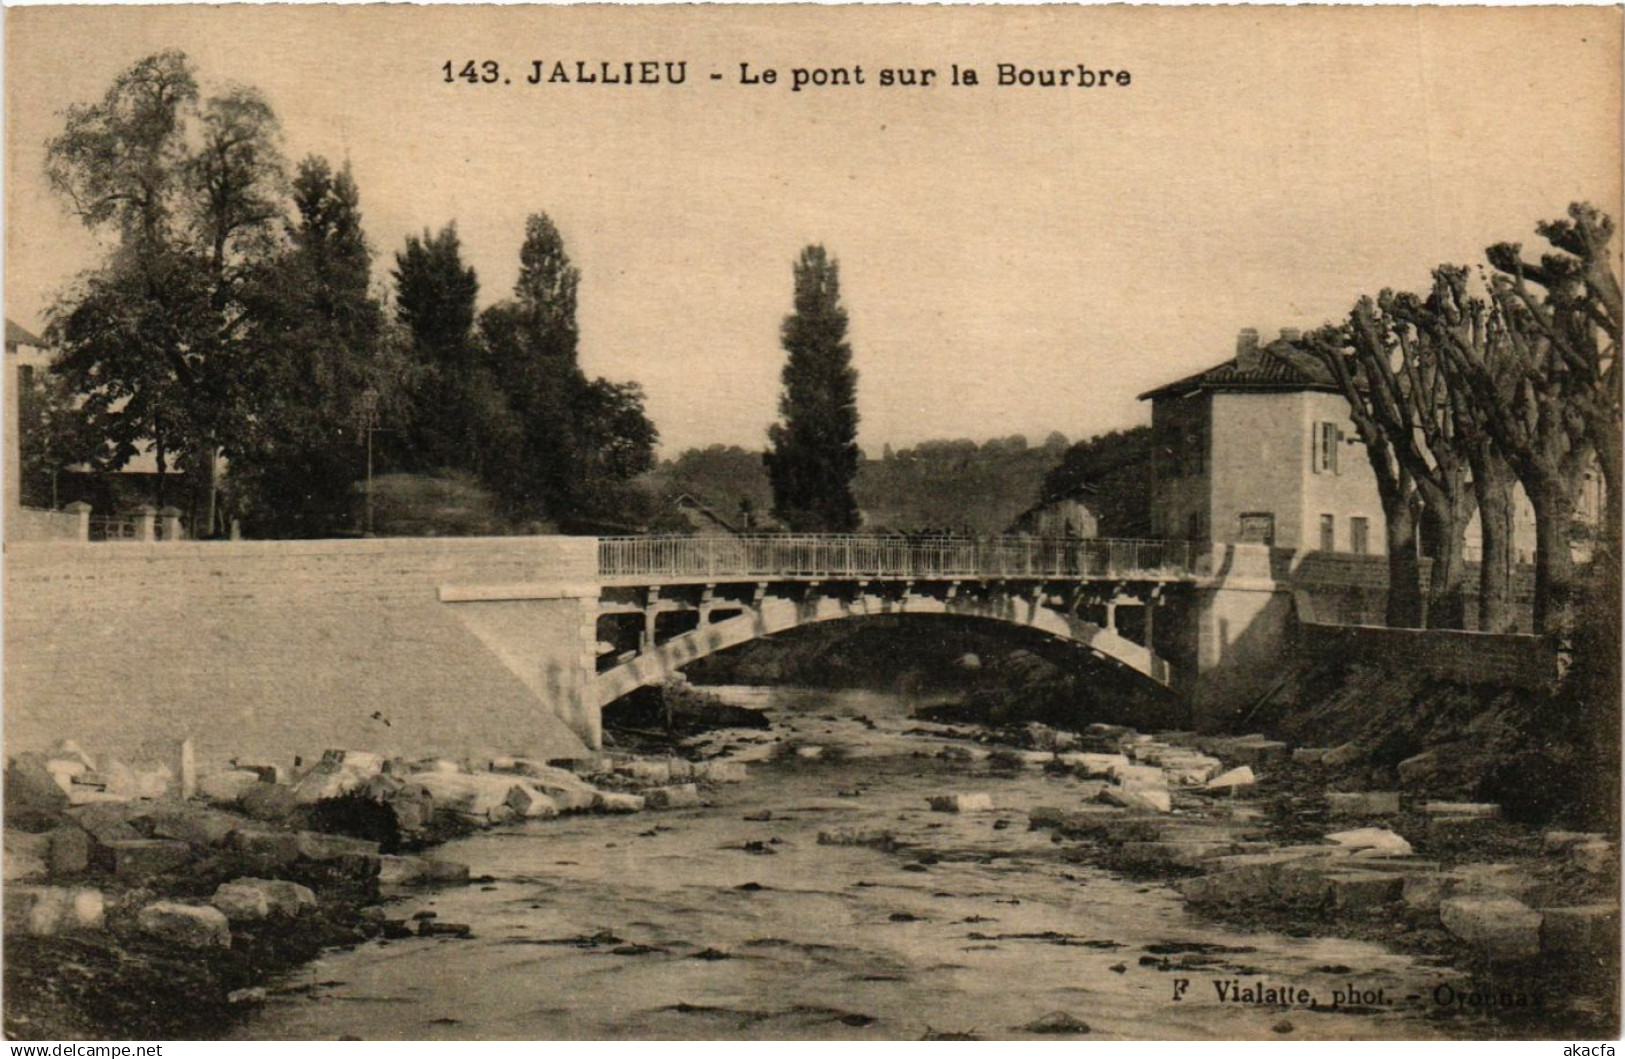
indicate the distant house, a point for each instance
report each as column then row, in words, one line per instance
column 1072, row 514
column 1260, row 449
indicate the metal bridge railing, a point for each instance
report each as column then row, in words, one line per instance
column 857, row 556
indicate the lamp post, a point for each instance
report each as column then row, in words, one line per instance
column 369, row 414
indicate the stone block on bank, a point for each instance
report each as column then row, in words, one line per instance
column 1256, row 750
column 396, row 870
column 1561, row 841
column 109, row 821
column 1460, row 828
column 26, row 855
column 469, row 795
column 1425, row 891
column 1309, row 755
column 721, row 771
column 1416, row 771
column 269, row 802
column 267, row 773
column 282, row 897
column 144, row 858
column 440, row 870
column 1500, row 928
column 645, row 770
column 1338, row 756
column 680, row 796
column 1356, row 892
column 531, row 804
column 192, row 926
column 1594, row 858
column 64, row 772
column 329, row 780
column 1481, row 810
column 70, row 850
column 227, row 787
column 193, row 824
column 960, row 803
column 1580, row 930
column 1094, row 766
column 274, row 849
column 363, row 761
column 1235, row 778
column 1190, row 770
column 32, row 793
column 1144, row 799
column 1137, row 775
column 617, row 802
column 241, row 903
column 1362, row 803
column 43, row 911
column 1384, row 841
column 436, row 764
column 319, row 846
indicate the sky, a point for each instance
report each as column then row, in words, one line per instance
column 1014, row 260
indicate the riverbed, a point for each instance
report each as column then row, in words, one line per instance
column 702, row 923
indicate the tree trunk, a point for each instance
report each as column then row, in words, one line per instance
column 1447, row 588
column 1554, row 562
column 1404, row 572
column 1492, row 481
column 1607, row 442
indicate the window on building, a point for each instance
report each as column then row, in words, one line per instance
column 1326, row 437
column 1257, row 527
column 1194, row 529
column 1328, row 533
column 1359, row 535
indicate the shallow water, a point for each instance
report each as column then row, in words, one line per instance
column 838, row 942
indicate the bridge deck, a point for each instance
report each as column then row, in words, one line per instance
column 782, row 557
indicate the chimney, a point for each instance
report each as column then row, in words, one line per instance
column 1290, row 335
column 1247, row 358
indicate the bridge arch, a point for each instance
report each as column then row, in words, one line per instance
column 774, row 614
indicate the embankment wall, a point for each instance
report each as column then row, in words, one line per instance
column 270, row 649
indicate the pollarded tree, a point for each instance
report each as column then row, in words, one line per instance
column 1337, row 348
column 814, row 453
column 1550, row 395
column 1452, row 317
column 1578, row 313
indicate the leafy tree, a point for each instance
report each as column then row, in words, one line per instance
column 52, row 437
column 1116, row 465
column 574, row 442
column 435, row 295
column 159, row 341
column 329, row 374
column 814, row 454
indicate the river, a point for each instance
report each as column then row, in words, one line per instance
column 704, row 924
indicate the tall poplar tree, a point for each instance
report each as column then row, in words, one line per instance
column 814, row 453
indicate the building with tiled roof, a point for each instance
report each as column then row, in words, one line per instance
column 1260, row 449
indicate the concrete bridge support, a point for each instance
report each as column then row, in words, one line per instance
column 1237, row 626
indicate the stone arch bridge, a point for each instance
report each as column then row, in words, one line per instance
column 1167, row 610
